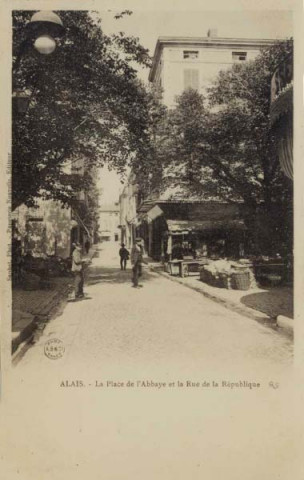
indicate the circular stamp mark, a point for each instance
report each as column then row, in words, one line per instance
column 54, row 348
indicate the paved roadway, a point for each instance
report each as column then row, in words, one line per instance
column 162, row 323
column 161, row 333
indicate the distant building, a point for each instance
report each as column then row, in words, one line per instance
column 189, row 62
column 109, row 217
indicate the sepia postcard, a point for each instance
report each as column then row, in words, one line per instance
column 152, row 265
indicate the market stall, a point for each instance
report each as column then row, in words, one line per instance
column 182, row 230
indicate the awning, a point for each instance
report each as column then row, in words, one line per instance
column 186, row 226
column 155, row 212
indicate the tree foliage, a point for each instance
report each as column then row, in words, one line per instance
column 85, row 102
column 239, row 133
column 222, row 147
column 148, row 167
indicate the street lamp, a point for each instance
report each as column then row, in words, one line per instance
column 43, row 27
column 45, row 44
column 41, row 32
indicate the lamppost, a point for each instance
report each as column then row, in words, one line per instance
column 45, row 26
column 41, row 33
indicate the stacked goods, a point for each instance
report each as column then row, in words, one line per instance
column 226, row 274
column 203, row 275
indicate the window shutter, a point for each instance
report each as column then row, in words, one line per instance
column 195, row 79
column 191, row 78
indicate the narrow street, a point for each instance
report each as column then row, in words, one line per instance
column 161, row 327
column 78, row 416
column 166, row 131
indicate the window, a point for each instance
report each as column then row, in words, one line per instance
column 239, row 56
column 190, row 54
column 191, row 78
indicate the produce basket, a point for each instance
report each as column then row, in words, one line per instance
column 203, row 260
column 210, row 278
column 203, row 275
column 223, row 280
column 240, row 280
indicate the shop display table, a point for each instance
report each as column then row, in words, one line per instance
column 183, row 268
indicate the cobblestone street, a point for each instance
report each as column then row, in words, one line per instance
column 162, row 323
column 157, row 338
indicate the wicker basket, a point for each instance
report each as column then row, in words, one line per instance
column 223, row 280
column 203, row 275
column 210, row 278
column 240, row 281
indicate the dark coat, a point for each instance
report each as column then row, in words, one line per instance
column 123, row 253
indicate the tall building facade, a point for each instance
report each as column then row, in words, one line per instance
column 188, row 62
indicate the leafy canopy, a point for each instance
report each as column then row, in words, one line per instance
column 85, row 102
column 222, row 146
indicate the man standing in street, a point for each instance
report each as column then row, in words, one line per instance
column 124, row 256
column 77, row 269
column 87, row 246
column 136, row 260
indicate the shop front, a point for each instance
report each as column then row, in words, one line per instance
column 177, row 231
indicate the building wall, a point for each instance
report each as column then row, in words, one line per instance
column 50, row 229
column 44, row 230
column 175, row 73
column 127, row 204
column 109, row 222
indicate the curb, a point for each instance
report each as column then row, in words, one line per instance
column 22, row 348
column 235, row 307
column 287, row 324
column 25, row 336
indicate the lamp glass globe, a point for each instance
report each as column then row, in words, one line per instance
column 45, row 44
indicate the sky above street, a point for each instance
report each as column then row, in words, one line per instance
column 149, row 25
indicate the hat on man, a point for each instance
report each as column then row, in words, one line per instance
column 138, row 239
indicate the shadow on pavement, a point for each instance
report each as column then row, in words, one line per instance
column 112, row 275
column 277, row 301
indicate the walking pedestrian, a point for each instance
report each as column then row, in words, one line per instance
column 124, row 256
column 136, row 260
column 77, row 269
column 87, row 246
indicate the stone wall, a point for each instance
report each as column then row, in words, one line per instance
column 44, row 230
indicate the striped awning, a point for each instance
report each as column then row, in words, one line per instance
column 285, row 144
